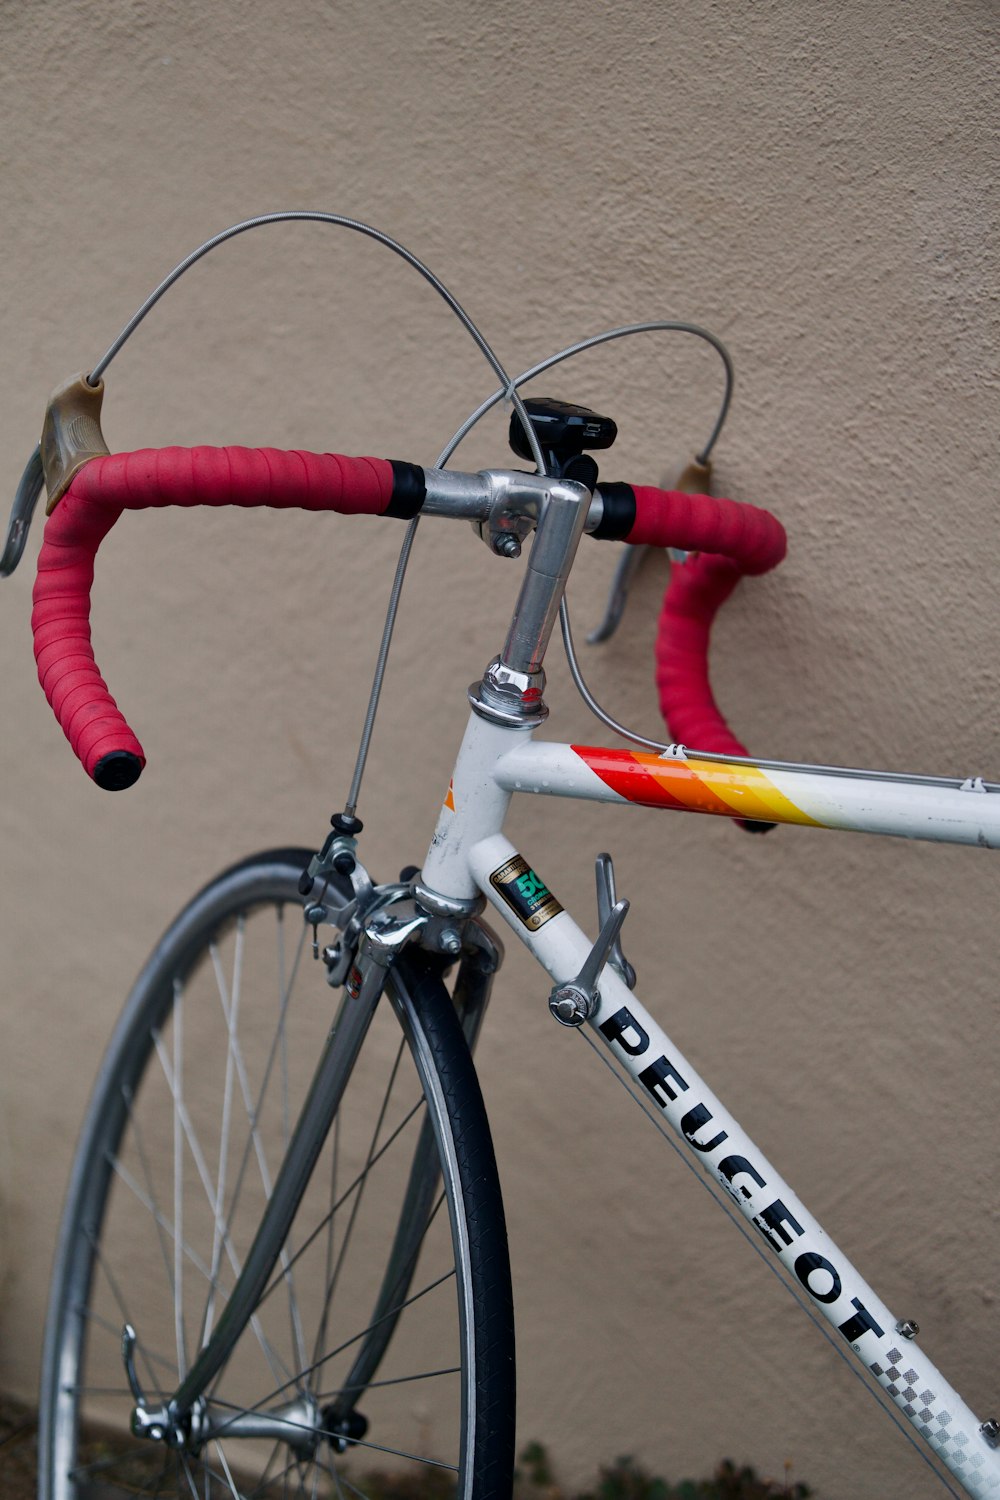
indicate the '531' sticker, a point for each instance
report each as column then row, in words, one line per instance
column 527, row 895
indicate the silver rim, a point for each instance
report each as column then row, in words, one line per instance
column 196, row 1098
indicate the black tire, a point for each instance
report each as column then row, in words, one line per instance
column 166, row 1190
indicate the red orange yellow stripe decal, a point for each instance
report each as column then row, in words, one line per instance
column 694, row 785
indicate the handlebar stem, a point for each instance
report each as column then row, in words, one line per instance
column 512, row 685
column 563, row 517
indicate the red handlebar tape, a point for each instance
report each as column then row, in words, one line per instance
column 79, row 696
column 730, row 540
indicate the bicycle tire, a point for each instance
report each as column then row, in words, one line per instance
column 151, row 1211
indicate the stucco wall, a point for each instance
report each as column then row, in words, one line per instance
column 818, row 185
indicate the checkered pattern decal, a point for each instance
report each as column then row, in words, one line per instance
column 963, row 1454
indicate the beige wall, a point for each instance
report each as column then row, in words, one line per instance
column 818, row 184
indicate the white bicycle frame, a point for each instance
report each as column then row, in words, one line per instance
column 469, row 856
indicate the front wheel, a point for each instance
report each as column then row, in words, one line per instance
column 380, row 1354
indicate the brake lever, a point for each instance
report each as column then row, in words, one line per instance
column 28, row 491
column 694, row 480
column 628, row 565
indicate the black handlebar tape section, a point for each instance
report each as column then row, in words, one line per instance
column 409, row 490
column 618, row 516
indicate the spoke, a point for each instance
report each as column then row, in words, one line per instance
column 253, row 1109
column 355, row 1442
column 192, row 1255
column 266, row 1477
column 100, row 1466
column 298, row 1334
column 93, row 1466
column 119, row 1297
column 187, row 1474
column 161, row 1477
column 277, row 1366
column 331, row 1225
column 275, row 1363
column 158, row 1218
column 372, row 1385
column 228, row 1473
column 298, row 1475
column 416, row 1458
column 283, row 1046
column 331, row 1286
column 279, row 1477
column 253, row 1141
column 177, row 1088
column 96, row 1390
column 230, row 1001
column 352, row 1487
column 363, row 1333
column 227, row 1099
column 181, row 1114
column 336, row 1207
column 184, row 1130
column 150, row 1355
column 334, row 1474
column 400, row 1285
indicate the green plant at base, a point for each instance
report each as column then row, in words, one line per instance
column 625, row 1479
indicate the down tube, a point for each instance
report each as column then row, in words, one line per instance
column 727, row 1155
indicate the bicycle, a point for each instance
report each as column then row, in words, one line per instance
column 205, row 1291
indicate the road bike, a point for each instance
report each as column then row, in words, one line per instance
column 283, row 1255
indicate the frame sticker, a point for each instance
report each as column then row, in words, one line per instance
column 527, row 895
